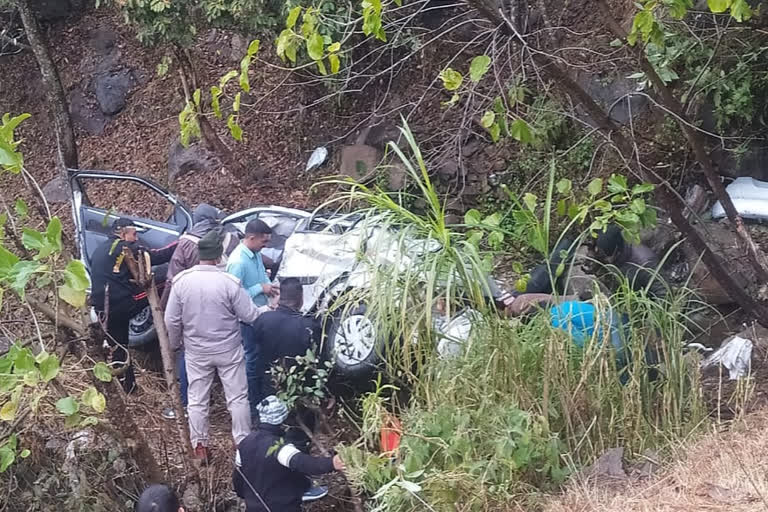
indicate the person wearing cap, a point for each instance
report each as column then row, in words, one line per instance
column 158, row 498
column 204, row 309
column 247, row 265
column 271, row 474
column 114, row 292
column 186, row 255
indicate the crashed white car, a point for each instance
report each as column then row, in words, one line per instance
column 322, row 251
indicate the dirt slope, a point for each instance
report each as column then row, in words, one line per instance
column 723, row 471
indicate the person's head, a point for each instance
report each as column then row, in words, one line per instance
column 291, row 293
column 206, row 212
column 210, row 247
column 272, row 411
column 610, row 244
column 158, row 498
column 125, row 229
column 257, row 235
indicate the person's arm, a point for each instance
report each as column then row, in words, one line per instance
column 161, row 255
column 173, row 320
column 238, row 270
column 293, row 458
column 244, row 308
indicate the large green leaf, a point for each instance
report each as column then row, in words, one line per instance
column 718, row 6
column 7, row 260
column 53, row 234
column 10, row 159
column 101, row 371
column 8, row 411
column 7, row 456
column 451, row 78
column 75, row 298
column 21, row 273
column 67, row 406
column 23, row 361
column 49, row 367
column 76, row 276
column 315, row 46
column 253, row 48
column 245, row 64
column 32, row 240
column 93, row 399
column 479, row 67
column 293, row 16
column 740, row 10
column 520, row 131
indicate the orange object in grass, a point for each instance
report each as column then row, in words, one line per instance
column 391, row 433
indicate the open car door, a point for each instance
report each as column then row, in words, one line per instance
column 100, row 197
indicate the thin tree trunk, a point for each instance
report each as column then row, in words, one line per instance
column 610, row 131
column 65, row 134
column 696, row 141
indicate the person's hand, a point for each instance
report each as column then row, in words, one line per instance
column 338, row 464
column 270, row 289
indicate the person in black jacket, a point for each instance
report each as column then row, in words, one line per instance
column 113, row 291
column 282, row 335
column 270, row 474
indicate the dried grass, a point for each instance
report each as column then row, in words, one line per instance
column 722, row 471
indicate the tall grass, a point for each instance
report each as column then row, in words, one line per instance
column 523, row 405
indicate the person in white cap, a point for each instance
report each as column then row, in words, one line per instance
column 272, row 475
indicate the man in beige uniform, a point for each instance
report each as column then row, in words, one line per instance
column 204, row 309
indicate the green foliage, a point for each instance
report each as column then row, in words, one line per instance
column 304, row 380
column 10, row 158
column 313, row 36
column 189, row 123
column 647, row 25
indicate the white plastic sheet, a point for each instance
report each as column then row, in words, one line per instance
column 454, row 333
column 735, row 355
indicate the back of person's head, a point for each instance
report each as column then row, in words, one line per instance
column 610, row 242
column 206, row 212
column 257, row 227
column 158, row 498
column 291, row 292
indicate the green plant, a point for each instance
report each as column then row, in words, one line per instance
column 304, row 381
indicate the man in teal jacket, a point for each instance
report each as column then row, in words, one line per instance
column 246, row 264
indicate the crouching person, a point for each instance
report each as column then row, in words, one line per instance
column 270, row 474
column 204, row 310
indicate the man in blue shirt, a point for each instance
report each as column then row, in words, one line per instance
column 246, row 264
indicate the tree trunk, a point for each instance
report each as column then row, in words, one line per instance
column 141, row 270
column 65, row 134
column 664, row 192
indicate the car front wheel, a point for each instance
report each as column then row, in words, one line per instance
column 141, row 331
column 354, row 343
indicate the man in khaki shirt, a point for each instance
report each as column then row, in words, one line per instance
column 205, row 308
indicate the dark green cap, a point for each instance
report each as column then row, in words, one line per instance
column 210, row 246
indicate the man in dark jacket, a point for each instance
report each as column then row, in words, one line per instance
column 271, row 475
column 285, row 333
column 282, row 335
column 113, row 291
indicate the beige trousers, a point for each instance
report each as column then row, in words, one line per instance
column 231, row 369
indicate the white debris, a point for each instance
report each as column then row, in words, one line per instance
column 735, row 354
column 454, row 333
column 318, row 157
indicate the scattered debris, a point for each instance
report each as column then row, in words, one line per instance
column 750, row 198
column 318, row 158
column 610, row 464
column 735, row 354
column 454, row 333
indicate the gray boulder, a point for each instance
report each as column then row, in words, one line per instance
column 112, row 89
column 195, row 157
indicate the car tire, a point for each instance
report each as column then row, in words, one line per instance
column 353, row 344
column 141, row 331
